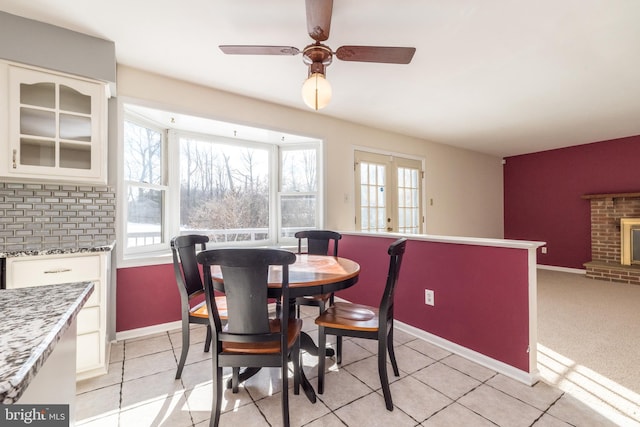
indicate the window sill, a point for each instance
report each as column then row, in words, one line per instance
column 142, row 260
column 159, row 258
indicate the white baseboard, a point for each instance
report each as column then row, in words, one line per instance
column 148, row 330
column 479, row 358
column 564, row 269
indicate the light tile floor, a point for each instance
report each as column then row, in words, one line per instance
column 435, row 388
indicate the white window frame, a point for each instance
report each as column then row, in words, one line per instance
column 147, row 249
column 160, row 254
column 318, row 193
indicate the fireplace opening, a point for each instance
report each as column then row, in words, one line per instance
column 629, row 241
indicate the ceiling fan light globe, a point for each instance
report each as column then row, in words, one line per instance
column 316, row 91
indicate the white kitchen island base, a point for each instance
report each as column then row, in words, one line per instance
column 56, row 380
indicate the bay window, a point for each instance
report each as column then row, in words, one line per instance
column 255, row 190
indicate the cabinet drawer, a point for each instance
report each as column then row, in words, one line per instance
column 89, row 320
column 22, row 272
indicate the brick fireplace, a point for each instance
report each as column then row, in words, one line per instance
column 606, row 212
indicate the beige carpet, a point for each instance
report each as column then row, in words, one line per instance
column 589, row 338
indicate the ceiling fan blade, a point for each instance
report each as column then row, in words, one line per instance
column 319, row 18
column 386, row 55
column 258, row 50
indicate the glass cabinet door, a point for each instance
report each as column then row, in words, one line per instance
column 57, row 125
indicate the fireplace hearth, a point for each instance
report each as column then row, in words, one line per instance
column 615, row 220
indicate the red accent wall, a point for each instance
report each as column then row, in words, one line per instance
column 542, row 195
column 146, row 296
column 481, row 293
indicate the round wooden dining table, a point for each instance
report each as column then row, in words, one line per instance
column 309, row 275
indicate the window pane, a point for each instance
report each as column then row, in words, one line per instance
column 372, row 197
column 298, row 171
column 224, row 190
column 144, row 216
column 408, row 200
column 142, row 154
column 297, row 213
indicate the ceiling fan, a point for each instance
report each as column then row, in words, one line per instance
column 316, row 91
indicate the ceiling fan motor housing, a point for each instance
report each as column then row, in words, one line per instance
column 317, row 56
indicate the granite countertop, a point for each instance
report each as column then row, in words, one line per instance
column 19, row 250
column 33, row 321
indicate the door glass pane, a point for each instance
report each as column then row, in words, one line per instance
column 372, row 197
column 75, row 156
column 77, row 128
column 408, row 196
column 224, row 190
column 144, row 216
column 72, row 100
column 35, row 152
column 37, row 122
column 38, row 94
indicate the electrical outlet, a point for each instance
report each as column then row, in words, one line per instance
column 429, row 297
column 544, row 249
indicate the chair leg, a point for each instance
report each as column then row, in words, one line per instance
column 382, row 371
column 322, row 343
column 235, row 380
column 185, row 348
column 285, row 392
column 295, row 356
column 339, row 350
column 216, row 403
column 392, row 353
column 207, row 342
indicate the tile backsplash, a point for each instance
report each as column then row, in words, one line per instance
column 36, row 215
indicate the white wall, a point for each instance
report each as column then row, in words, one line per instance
column 466, row 187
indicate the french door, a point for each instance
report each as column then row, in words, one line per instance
column 388, row 193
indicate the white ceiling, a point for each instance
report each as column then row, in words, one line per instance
column 503, row 77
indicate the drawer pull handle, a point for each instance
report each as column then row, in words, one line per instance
column 58, row 270
column 14, row 158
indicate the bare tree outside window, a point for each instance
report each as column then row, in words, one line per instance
column 224, row 190
column 186, row 175
column 298, row 191
column 143, row 176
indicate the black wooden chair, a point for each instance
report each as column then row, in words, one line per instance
column 318, row 243
column 361, row 321
column 250, row 338
column 190, row 286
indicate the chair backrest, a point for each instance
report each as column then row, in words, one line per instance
column 396, row 252
column 318, row 241
column 245, row 272
column 185, row 265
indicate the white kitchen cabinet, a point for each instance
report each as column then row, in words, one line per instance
column 56, row 126
column 32, row 271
